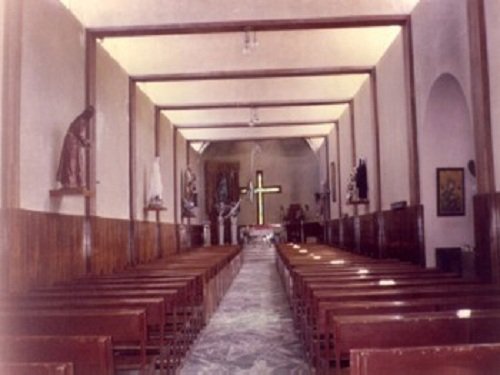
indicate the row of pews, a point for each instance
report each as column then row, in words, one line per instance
column 144, row 319
column 362, row 316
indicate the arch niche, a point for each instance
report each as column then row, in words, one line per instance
column 446, row 141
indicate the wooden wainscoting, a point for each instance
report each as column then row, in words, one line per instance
column 42, row 248
column 110, row 244
column 168, row 239
column 349, row 235
column 335, row 232
column 403, row 234
column 196, row 233
column 487, row 236
column 146, row 241
column 369, row 235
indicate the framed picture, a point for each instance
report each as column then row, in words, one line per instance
column 333, row 178
column 450, row 192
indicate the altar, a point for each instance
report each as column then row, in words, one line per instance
column 268, row 233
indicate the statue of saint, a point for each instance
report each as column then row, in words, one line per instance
column 189, row 194
column 71, row 171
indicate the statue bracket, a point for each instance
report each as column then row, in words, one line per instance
column 57, row 193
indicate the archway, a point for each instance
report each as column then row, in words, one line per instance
column 446, row 141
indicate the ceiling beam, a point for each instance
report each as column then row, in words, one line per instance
column 258, row 125
column 257, row 25
column 253, row 138
column 254, row 74
column 267, row 104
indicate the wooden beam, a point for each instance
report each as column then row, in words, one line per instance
column 413, row 157
column 488, row 251
column 132, row 103
column 267, row 104
column 481, row 106
column 11, row 105
column 259, row 125
column 253, row 74
column 352, row 117
column 90, row 153
column 254, row 25
column 376, row 123
column 263, row 138
column 339, row 169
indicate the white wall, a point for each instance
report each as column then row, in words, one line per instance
column 167, row 168
column 444, row 135
column 447, row 141
column 52, row 96
column 332, row 144
column 365, row 141
column 346, row 162
column 492, row 10
column 181, row 161
column 145, row 153
column 393, row 130
column 112, row 139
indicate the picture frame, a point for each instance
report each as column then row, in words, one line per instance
column 333, row 181
column 450, row 191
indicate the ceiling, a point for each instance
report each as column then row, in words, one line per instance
column 225, row 70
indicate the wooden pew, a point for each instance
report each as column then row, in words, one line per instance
column 320, row 292
column 412, row 329
column 36, row 368
column 478, row 359
column 90, row 355
column 127, row 328
column 154, row 307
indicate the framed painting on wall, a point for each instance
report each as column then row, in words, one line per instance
column 450, row 192
column 333, row 182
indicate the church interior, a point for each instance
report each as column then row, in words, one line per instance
column 327, row 172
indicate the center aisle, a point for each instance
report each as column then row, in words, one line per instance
column 252, row 331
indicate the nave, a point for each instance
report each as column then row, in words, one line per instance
column 252, row 330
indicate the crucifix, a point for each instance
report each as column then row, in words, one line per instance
column 259, row 191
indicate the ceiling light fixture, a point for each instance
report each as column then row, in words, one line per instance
column 250, row 41
column 254, row 117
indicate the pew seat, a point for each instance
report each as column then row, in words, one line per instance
column 36, row 368
column 477, row 359
column 90, row 355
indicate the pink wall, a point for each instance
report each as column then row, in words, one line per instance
column 393, row 115
column 52, row 95
column 180, row 158
column 444, row 133
column 112, row 163
column 346, row 161
column 167, row 168
column 332, row 144
column 447, row 141
column 365, row 140
column 145, row 153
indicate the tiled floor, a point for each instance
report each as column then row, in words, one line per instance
column 252, row 332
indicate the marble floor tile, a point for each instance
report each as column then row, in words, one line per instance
column 252, row 332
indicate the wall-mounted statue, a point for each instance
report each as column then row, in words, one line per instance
column 189, row 196
column 155, row 190
column 72, row 167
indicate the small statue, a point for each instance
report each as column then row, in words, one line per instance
column 71, row 170
column 155, row 199
column 190, row 193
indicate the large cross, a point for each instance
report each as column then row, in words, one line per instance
column 259, row 191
